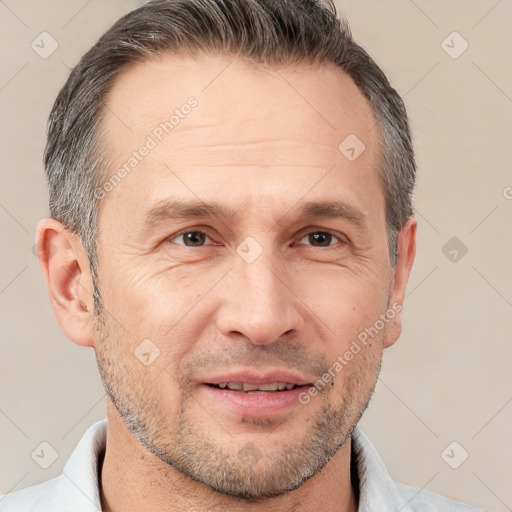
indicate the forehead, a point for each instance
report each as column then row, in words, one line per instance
column 217, row 124
column 227, row 87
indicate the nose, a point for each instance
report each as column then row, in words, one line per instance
column 259, row 303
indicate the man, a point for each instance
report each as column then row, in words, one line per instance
column 231, row 231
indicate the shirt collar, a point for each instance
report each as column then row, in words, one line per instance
column 79, row 481
column 377, row 491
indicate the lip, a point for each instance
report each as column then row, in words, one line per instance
column 255, row 378
column 255, row 405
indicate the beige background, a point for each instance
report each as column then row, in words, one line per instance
column 447, row 379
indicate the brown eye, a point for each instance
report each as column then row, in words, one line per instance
column 191, row 238
column 320, row 238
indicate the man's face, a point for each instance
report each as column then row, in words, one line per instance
column 271, row 287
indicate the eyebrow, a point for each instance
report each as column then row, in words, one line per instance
column 177, row 209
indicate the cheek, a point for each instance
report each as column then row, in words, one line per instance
column 344, row 301
column 149, row 303
column 160, row 315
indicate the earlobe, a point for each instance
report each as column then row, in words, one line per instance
column 66, row 271
column 406, row 245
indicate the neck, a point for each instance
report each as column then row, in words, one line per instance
column 133, row 479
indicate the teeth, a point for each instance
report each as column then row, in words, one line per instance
column 251, row 388
column 268, row 387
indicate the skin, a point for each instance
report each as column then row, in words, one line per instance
column 260, row 141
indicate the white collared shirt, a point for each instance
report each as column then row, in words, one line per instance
column 77, row 488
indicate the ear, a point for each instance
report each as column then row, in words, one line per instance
column 406, row 250
column 66, row 271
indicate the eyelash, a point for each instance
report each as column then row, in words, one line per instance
column 324, row 231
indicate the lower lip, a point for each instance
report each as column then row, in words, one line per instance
column 263, row 404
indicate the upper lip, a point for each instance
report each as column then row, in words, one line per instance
column 257, row 378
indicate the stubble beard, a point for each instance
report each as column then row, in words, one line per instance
column 183, row 444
